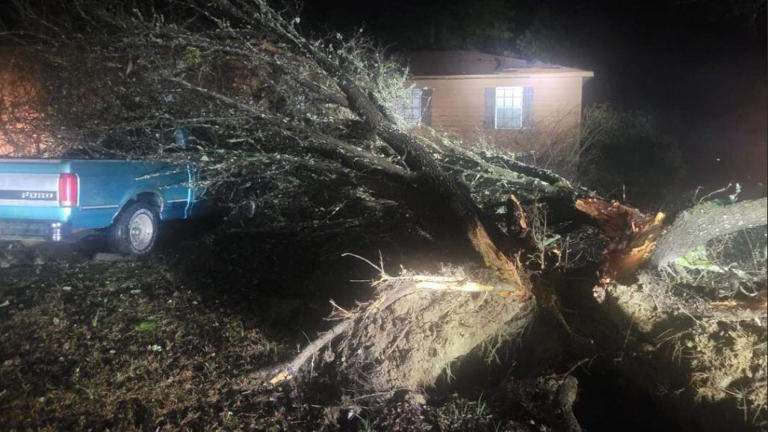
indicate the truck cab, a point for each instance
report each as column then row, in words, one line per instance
column 66, row 199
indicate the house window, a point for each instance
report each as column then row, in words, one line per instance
column 509, row 107
column 410, row 109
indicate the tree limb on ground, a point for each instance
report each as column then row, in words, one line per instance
column 696, row 226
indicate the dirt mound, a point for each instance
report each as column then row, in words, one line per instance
column 706, row 359
column 410, row 343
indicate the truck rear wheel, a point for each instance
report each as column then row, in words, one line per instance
column 135, row 230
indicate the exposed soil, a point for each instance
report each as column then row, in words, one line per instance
column 165, row 342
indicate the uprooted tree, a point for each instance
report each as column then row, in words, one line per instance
column 293, row 119
column 290, row 131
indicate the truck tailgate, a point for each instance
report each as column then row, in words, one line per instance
column 29, row 198
column 30, row 183
column 38, row 190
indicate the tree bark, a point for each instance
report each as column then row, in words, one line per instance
column 702, row 223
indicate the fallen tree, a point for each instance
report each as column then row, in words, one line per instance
column 291, row 132
column 314, row 116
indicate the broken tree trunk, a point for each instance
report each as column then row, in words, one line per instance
column 631, row 235
column 635, row 238
column 704, row 222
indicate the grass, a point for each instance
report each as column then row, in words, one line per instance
column 126, row 346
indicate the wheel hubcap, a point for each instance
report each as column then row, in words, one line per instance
column 140, row 229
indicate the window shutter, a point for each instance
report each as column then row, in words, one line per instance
column 490, row 108
column 426, row 106
column 527, row 107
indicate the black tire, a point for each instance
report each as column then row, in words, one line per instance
column 144, row 220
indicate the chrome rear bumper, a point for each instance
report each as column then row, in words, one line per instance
column 26, row 229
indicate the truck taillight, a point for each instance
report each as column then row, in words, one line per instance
column 67, row 190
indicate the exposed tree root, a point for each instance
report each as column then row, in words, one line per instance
column 288, row 370
column 415, row 327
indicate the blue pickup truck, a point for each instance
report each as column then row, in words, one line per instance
column 61, row 200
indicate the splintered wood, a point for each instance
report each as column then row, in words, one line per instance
column 514, row 206
column 632, row 236
column 495, row 259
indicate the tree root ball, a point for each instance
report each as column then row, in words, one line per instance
column 409, row 343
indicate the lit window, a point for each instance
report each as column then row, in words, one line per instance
column 509, row 108
column 410, row 110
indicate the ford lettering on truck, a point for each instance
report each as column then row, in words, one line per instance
column 62, row 200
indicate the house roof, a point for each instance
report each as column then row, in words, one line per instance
column 460, row 63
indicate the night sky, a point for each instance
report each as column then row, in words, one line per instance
column 696, row 68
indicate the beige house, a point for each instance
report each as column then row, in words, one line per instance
column 506, row 102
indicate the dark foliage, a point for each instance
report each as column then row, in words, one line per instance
column 625, row 158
